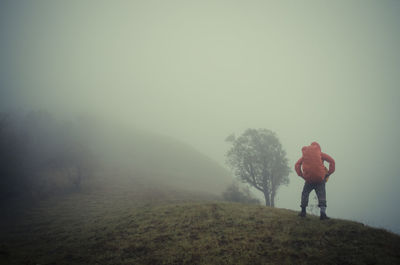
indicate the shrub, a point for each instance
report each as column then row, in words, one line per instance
column 234, row 193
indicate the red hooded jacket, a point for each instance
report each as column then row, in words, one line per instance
column 324, row 157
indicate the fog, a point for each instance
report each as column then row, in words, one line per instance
column 198, row 71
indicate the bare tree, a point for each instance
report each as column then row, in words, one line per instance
column 257, row 158
column 40, row 156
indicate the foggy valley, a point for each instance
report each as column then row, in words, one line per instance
column 167, row 132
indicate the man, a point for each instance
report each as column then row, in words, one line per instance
column 311, row 168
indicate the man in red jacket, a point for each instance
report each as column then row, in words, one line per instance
column 311, row 168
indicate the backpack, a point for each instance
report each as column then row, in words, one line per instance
column 314, row 170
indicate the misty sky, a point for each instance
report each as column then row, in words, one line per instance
column 201, row 70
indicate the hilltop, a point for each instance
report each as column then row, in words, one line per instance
column 172, row 227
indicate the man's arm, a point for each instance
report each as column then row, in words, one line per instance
column 331, row 162
column 297, row 167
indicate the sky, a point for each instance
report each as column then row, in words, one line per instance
column 325, row 71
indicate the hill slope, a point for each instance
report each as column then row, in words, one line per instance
column 125, row 228
column 42, row 156
column 157, row 158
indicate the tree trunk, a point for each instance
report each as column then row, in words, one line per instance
column 267, row 198
column 273, row 199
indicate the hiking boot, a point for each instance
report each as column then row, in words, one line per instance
column 323, row 216
column 302, row 214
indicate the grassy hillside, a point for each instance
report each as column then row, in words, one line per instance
column 162, row 226
column 158, row 158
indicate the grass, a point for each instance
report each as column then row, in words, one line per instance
column 165, row 227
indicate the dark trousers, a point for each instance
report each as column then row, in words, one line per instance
column 319, row 190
